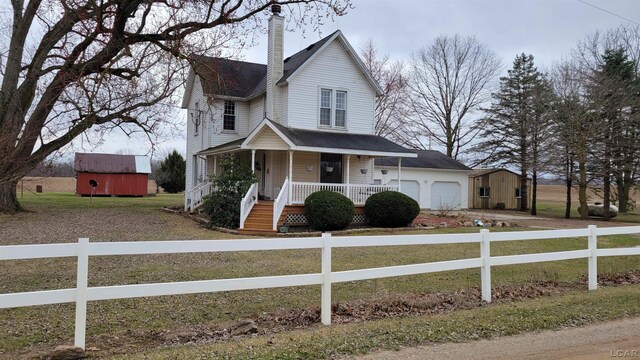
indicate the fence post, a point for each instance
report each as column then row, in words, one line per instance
column 81, row 292
column 593, row 258
column 485, row 271
column 325, row 312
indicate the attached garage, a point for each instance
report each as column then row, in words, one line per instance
column 410, row 188
column 433, row 179
column 445, row 195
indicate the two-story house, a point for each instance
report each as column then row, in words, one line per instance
column 303, row 123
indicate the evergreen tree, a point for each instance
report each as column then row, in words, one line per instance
column 229, row 187
column 612, row 95
column 517, row 122
column 170, row 175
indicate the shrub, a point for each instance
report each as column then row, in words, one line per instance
column 230, row 186
column 328, row 210
column 170, row 174
column 390, row 209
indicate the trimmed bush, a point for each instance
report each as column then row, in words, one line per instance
column 390, row 209
column 328, row 210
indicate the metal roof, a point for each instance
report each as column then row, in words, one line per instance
column 112, row 163
column 427, row 159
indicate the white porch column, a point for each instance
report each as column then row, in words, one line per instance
column 215, row 164
column 253, row 161
column 399, row 175
column 347, row 174
column 290, row 175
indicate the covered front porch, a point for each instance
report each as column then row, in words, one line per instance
column 289, row 168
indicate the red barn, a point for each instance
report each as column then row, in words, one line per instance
column 110, row 174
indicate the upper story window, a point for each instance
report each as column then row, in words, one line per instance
column 229, row 117
column 333, row 108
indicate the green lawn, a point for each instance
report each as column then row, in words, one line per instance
column 64, row 218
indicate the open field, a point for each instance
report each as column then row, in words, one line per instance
column 552, row 200
column 62, row 217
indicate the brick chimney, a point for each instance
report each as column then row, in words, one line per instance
column 275, row 63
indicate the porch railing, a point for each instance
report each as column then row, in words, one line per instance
column 250, row 199
column 358, row 193
column 193, row 197
column 280, row 202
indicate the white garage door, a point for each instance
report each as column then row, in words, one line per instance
column 445, row 195
column 410, row 188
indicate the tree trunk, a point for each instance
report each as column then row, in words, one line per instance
column 524, row 193
column 569, row 183
column 534, row 193
column 582, row 191
column 8, row 197
column 606, row 194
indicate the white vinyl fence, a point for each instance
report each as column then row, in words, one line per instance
column 84, row 249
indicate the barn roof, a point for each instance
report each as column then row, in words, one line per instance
column 112, row 163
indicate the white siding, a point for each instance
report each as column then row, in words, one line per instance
column 284, row 95
column 211, row 132
column 426, row 178
column 331, row 68
column 256, row 112
column 198, row 142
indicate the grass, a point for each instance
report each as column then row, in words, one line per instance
column 578, row 308
column 64, row 218
column 556, row 209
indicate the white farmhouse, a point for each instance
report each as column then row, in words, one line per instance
column 303, row 123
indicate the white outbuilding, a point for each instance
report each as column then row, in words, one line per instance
column 433, row 179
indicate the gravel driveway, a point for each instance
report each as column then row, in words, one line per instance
column 618, row 339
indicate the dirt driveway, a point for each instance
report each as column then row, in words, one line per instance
column 619, row 339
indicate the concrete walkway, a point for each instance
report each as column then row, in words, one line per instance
column 619, row 339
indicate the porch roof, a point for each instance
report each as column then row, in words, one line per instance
column 222, row 148
column 316, row 141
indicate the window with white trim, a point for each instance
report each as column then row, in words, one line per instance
column 333, row 108
column 229, row 116
column 326, row 95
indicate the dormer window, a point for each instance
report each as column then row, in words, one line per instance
column 229, row 117
column 333, row 108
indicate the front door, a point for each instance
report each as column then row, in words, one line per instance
column 331, row 168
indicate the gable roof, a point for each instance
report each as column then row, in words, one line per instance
column 480, row 172
column 245, row 80
column 427, row 159
column 112, row 163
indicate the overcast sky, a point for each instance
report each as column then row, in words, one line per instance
column 548, row 29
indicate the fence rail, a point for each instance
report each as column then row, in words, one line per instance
column 358, row 193
column 84, row 249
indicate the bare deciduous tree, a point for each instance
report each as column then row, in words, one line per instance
column 105, row 65
column 391, row 106
column 449, row 81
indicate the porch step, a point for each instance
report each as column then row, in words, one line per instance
column 260, row 219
